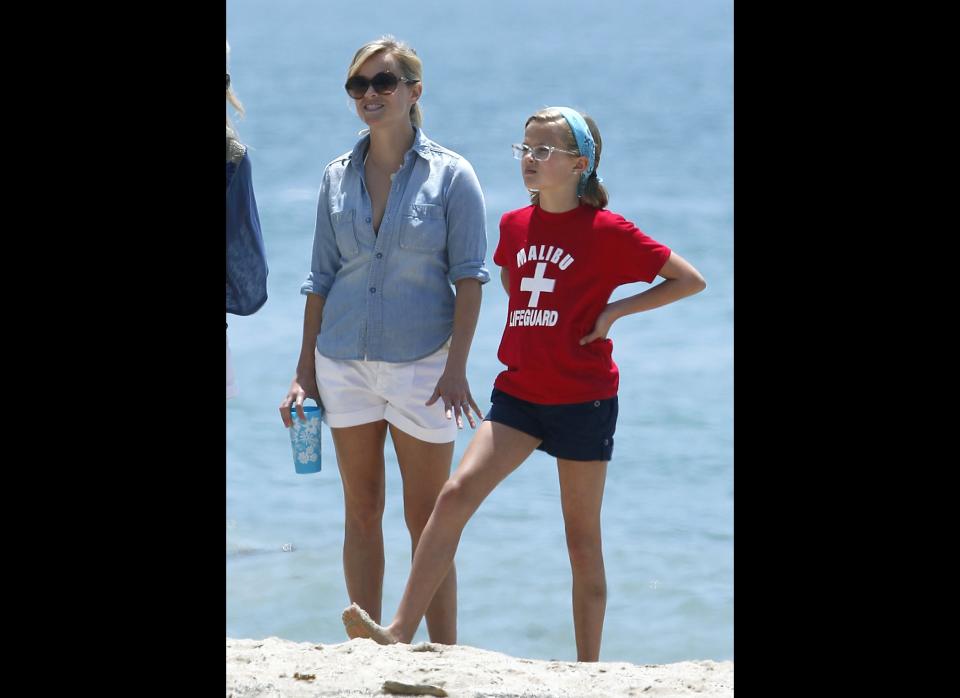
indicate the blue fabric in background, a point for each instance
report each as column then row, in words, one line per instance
column 246, row 258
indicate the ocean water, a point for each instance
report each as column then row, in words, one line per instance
column 657, row 77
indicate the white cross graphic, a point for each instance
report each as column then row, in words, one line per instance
column 537, row 284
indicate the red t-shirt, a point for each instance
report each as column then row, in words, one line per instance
column 563, row 268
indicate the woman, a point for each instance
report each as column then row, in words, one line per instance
column 246, row 259
column 400, row 222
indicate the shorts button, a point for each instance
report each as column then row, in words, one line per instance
column 596, row 403
column 373, row 290
column 368, row 220
column 379, row 255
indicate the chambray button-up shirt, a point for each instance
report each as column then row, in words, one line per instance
column 389, row 295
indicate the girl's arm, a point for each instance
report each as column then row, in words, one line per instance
column 505, row 279
column 682, row 280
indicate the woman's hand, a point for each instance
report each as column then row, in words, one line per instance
column 455, row 391
column 302, row 387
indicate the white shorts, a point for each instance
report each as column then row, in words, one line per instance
column 360, row 392
column 233, row 388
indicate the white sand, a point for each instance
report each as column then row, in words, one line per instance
column 361, row 667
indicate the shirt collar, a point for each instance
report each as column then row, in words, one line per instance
column 421, row 146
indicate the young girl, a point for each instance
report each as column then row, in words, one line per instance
column 560, row 260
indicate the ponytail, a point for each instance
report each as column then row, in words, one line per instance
column 595, row 194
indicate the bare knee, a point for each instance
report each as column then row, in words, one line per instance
column 454, row 501
column 586, row 554
column 416, row 516
column 418, row 506
column 364, row 515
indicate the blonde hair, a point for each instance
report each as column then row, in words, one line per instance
column 233, row 100
column 410, row 65
column 594, row 194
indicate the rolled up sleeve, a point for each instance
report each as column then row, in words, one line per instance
column 466, row 226
column 325, row 260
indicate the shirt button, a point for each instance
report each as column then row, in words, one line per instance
column 596, row 403
column 373, row 290
column 606, row 442
column 379, row 255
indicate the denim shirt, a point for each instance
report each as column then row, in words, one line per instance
column 389, row 296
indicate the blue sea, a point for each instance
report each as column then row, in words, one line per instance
column 657, row 75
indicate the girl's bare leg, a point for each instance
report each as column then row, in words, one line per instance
column 495, row 452
column 581, row 495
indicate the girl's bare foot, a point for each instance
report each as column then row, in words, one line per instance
column 352, row 623
column 359, row 624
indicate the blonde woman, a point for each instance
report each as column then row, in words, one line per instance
column 393, row 297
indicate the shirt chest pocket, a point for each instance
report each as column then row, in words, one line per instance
column 423, row 228
column 342, row 222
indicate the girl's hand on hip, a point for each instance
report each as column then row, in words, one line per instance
column 601, row 328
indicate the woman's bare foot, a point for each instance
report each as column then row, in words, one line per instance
column 359, row 624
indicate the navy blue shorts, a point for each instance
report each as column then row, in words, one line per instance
column 572, row 431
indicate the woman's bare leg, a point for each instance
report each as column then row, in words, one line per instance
column 360, row 460
column 425, row 467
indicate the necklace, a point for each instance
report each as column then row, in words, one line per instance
column 392, row 174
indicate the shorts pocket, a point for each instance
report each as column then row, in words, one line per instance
column 423, row 228
column 346, row 236
column 427, row 371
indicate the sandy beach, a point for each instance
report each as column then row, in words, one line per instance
column 276, row 667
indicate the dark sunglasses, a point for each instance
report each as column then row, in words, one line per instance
column 228, row 81
column 382, row 83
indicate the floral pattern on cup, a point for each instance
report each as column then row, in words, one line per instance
column 305, row 440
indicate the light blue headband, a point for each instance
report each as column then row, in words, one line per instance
column 584, row 142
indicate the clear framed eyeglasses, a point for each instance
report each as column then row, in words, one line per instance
column 540, row 153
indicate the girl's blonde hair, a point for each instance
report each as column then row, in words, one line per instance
column 233, row 100
column 594, row 194
column 410, row 64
